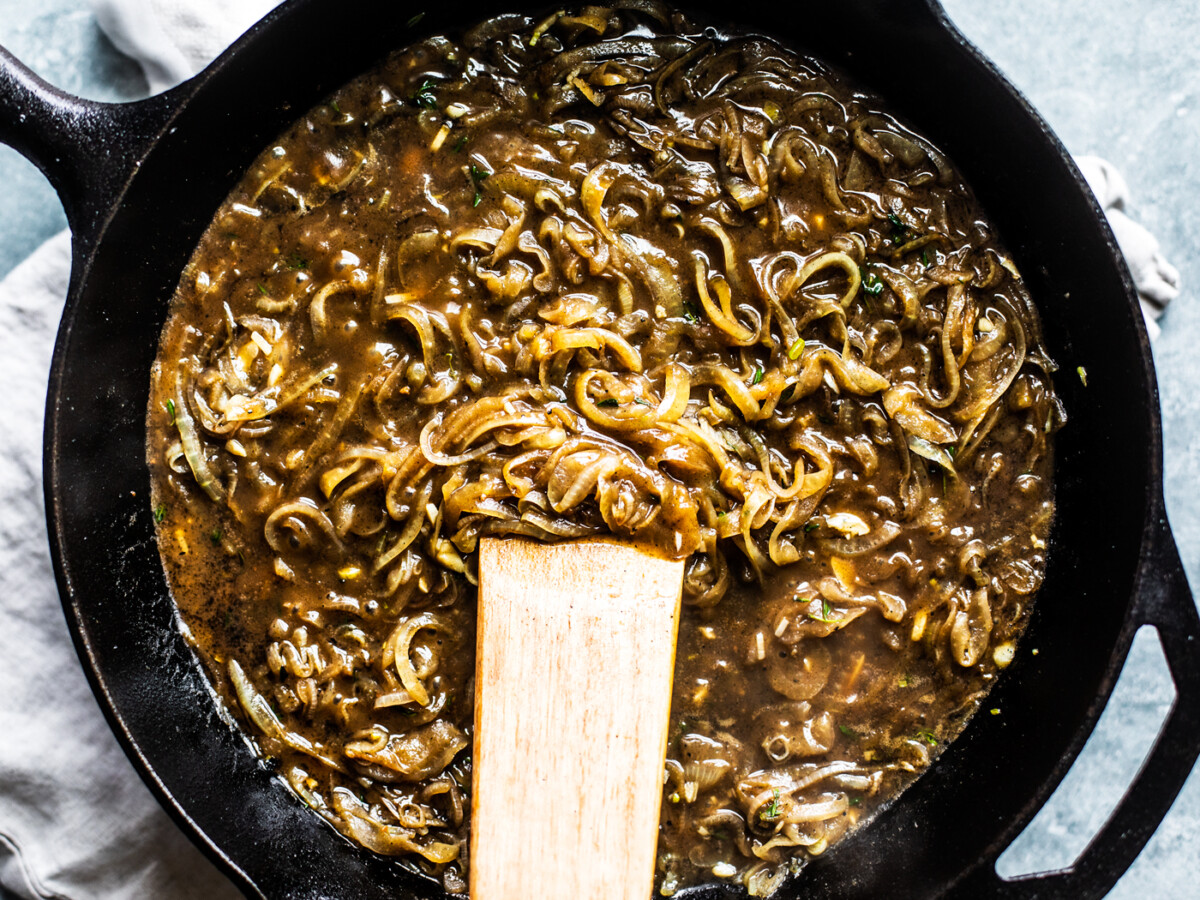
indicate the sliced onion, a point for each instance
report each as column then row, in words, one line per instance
column 860, row 546
column 932, row 452
column 193, row 452
column 439, row 459
column 801, row 675
column 388, row 840
column 819, row 811
column 399, row 645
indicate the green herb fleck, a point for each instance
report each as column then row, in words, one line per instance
column 848, row 732
column 641, row 402
column 796, row 349
column 296, row 262
column 337, row 109
column 928, row 737
column 160, row 513
column 425, row 97
column 899, row 229
column 415, row 19
column 811, row 527
column 871, row 284
column 609, row 402
column 461, row 142
column 690, row 313
column 262, row 289
column 758, row 375
column 215, row 536
column 171, row 410
column 1082, row 373
column 854, row 801
column 772, row 811
column 826, row 612
column 232, row 235
column 925, row 257
column 478, row 177
column 720, row 513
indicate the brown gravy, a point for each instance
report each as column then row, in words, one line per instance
column 605, row 273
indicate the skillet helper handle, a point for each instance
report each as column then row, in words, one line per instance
column 88, row 150
column 1164, row 601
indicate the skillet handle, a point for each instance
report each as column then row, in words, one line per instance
column 88, row 150
column 1164, row 601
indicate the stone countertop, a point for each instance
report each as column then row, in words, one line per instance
column 1115, row 78
column 1121, row 79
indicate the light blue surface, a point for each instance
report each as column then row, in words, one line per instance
column 1115, row 78
column 1121, row 79
column 58, row 39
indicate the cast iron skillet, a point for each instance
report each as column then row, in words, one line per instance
column 141, row 181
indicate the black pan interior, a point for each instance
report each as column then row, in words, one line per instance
column 948, row 828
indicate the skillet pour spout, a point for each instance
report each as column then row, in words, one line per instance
column 140, row 183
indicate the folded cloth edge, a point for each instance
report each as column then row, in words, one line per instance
column 175, row 39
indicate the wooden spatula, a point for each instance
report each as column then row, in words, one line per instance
column 576, row 646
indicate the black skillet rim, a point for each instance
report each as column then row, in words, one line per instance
column 61, row 437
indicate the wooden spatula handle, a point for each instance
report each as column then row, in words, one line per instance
column 576, row 648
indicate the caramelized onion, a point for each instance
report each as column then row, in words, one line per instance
column 625, row 278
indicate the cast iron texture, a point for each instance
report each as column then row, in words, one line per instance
column 141, row 182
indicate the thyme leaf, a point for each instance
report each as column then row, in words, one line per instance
column 424, row 96
column 478, row 177
column 772, row 811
